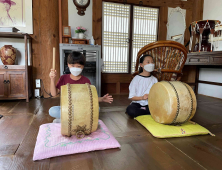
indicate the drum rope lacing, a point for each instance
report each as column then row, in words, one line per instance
column 91, row 107
column 81, row 131
column 70, row 110
column 178, row 103
column 191, row 99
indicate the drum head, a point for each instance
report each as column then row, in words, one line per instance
column 160, row 103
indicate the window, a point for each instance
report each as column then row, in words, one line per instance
column 120, row 32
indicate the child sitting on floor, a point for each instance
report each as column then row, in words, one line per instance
column 140, row 86
column 76, row 62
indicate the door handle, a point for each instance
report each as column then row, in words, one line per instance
column 8, row 81
column 4, row 81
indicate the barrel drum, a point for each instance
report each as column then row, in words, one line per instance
column 172, row 102
column 79, row 109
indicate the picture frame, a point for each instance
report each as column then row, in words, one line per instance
column 66, row 31
column 20, row 12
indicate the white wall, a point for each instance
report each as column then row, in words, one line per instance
column 20, row 47
column 212, row 10
column 76, row 20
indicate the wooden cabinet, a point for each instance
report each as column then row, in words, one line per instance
column 13, row 82
column 16, row 84
column 198, row 60
column 3, row 85
column 15, row 79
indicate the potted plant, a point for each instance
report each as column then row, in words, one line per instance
column 80, row 30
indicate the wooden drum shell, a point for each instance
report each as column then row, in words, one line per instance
column 81, row 109
column 172, row 102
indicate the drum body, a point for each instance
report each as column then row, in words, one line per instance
column 79, row 109
column 172, row 102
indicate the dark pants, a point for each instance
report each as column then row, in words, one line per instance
column 135, row 109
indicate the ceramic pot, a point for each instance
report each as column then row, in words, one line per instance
column 81, row 35
column 8, row 55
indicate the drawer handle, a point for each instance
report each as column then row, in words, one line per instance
column 6, row 67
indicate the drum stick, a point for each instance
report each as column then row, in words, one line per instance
column 194, row 123
column 53, row 60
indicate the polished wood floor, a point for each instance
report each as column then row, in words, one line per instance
column 139, row 149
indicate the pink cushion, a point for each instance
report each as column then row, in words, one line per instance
column 51, row 143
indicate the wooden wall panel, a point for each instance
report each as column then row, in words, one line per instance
column 188, row 22
column 162, row 29
column 108, row 88
column 124, row 88
column 97, row 21
column 197, row 10
column 189, row 74
column 113, row 77
column 65, row 13
column 36, row 65
column 45, row 37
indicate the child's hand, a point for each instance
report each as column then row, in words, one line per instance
column 107, row 98
column 145, row 96
column 52, row 74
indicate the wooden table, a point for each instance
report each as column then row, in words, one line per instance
column 197, row 60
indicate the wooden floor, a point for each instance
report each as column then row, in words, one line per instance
column 139, row 149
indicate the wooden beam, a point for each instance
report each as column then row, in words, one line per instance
column 114, row 78
column 162, row 28
column 60, row 21
column 49, row 33
column 65, row 13
column 209, row 82
column 198, row 10
column 97, row 21
column 188, row 22
column 26, row 69
column 159, row 3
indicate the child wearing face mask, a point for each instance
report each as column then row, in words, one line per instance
column 140, row 86
column 76, row 62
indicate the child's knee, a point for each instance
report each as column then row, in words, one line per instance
column 55, row 112
column 52, row 112
column 131, row 111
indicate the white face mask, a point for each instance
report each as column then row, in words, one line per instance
column 75, row 71
column 149, row 67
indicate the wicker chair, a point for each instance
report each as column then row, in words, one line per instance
column 169, row 58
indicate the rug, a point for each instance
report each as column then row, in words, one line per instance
column 50, row 142
column 168, row 131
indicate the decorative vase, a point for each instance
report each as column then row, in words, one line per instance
column 81, row 35
column 8, row 55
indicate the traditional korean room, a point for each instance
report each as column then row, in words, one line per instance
column 110, row 84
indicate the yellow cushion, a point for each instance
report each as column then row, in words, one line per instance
column 167, row 131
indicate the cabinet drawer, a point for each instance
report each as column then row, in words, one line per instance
column 12, row 67
column 79, row 42
column 198, row 60
column 216, row 60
